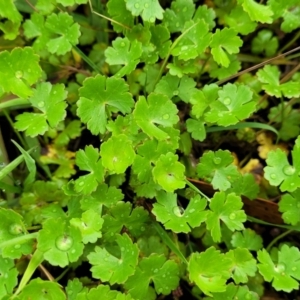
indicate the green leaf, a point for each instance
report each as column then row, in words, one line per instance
column 112, row 158
column 194, row 41
column 35, row 28
column 104, row 195
column 117, row 10
column 104, row 292
column 289, row 205
column 62, row 245
column 175, row 217
column 288, row 118
column 71, row 2
column 19, row 69
column 40, row 289
column 245, row 186
column 89, row 160
column 217, row 168
column 169, row 173
column 66, row 33
column 75, row 288
column 265, row 42
column 12, row 226
column 108, row 267
column 270, row 75
column 284, row 271
column 280, row 172
column 224, row 42
column 209, row 270
column 206, row 14
column 124, row 53
column 247, row 238
column 225, row 208
column 122, row 215
column 160, row 37
column 149, row 10
column 201, row 99
column 99, row 96
column 240, row 21
column 234, row 104
column 257, row 12
column 89, row 225
column 50, row 100
column 172, row 86
column 11, row 19
column 155, row 268
column 9, row 278
column 243, row 264
column 181, row 11
column 158, row 109
column 72, row 131
column 196, row 128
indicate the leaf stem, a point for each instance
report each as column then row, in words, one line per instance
column 257, row 66
column 35, row 261
column 274, row 241
column 169, row 53
column 14, row 102
column 87, row 59
column 193, row 187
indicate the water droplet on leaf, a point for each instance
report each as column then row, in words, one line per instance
column 176, row 92
column 17, row 246
column 280, row 268
column 41, row 104
column 152, row 19
column 19, row 74
column 289, row 170
column 15, row 229
column 178, row 211
column 227, row 101
column 166, row 116
column 232, row 216
column 81, row 183
column 146, row 5
column 64, row 243
column 273, row 176
column 184, row 48
column 217, row 160
column 136, row 5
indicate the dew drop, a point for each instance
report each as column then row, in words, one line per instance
column 232, row 216
column 136, row 5
column 17, row 246
column 177, row 24
column 280, row 268
column 227, row 101
column 152, row 19
column 123, row 44
column 2, row 164
column 73, row 251
column 294, row 269
column 166, row 116
column 248, row 296
column 146, row 5
column 64, row 243
column 81, row 183
column 176, row 92
column 217, row 160
column 19, row 74
column 155, row 271
column 15, row 229
column 122, row 249
column 273, row 176
column 18, row 182
column 184, row 48
column 289, row 170
column 178, row 211
column 41, row 104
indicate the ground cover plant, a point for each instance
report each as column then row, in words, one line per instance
column 149, row 149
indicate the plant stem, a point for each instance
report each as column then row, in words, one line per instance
column 14, row 102
column 278, row 238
